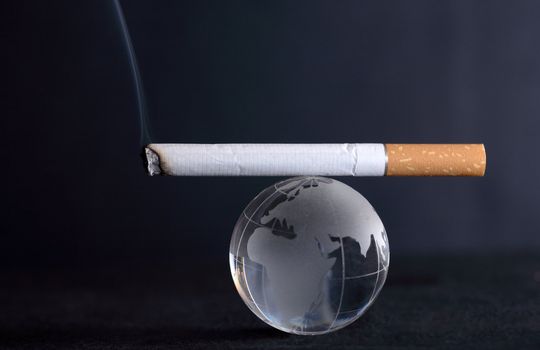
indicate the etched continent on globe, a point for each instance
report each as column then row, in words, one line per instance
column 309, row 255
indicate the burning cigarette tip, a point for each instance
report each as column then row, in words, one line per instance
column 151, row 162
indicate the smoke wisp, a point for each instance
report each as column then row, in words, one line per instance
column 137, row 80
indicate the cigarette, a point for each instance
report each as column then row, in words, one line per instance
column 345, row 159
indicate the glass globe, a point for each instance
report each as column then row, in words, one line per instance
column 309, row 255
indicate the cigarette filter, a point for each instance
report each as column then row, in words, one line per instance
column 346, row 159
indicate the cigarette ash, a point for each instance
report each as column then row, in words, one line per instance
column 151, row 162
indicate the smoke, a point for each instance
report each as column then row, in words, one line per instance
column 139, row 90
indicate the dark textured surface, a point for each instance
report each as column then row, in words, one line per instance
column 432, row 302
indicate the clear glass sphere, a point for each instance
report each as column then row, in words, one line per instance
column 309, row 255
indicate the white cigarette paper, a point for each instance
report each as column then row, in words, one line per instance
column 346, row 159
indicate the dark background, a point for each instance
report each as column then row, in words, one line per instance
column 79, row 210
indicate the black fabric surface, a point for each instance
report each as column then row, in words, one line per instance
column 431, row 302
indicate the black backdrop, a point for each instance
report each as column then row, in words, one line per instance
column 74, row 190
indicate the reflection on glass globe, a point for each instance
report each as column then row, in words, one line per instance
column 309, row 255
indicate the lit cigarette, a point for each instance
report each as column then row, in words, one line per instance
column 346, row 159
